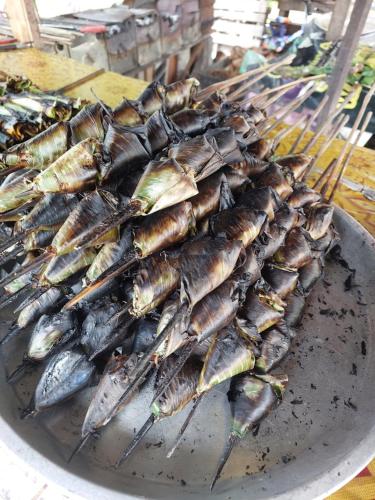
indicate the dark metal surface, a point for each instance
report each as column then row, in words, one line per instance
column 321, row 436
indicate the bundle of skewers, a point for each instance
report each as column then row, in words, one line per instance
column 25, row 110
column 164, row 238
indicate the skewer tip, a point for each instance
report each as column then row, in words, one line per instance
column 79, row 446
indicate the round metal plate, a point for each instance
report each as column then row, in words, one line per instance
column 322, row 435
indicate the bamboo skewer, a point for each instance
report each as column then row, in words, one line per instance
column 205, row 93
column 264, row 102
column 350, row 154
column 318, row 184
column 278, row 138
column 309, row 123
column 322, row 130
column 245, row 86
column 341, row 122
column 295, row 104
column 282, row 87
column 357, row 121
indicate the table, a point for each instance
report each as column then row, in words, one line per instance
column 356, row 195
column 50, row 72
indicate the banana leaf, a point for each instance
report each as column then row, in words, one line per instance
column 50, row 210
column 303, row 195
column 62, row 267
column 44, row 304
column 289, row 217
column 275, row 346
column 158, row 132
column 242, row 224
column 98, row 333
column 94, row 207
column 110, row 254
column 181, row 390
column 229, row 354
column 282, row 279
column 88, row 124
column 251, row 399
column 274, row 178
column 310, row 274
column 157, row 277
column 112, row 383
column 179, row 95
column 263, row 199
column 318, row 220
column 163, row 184
column 261, row 310
column 40, row 151
column 126, row 153
column 164, row 229
column 237, row 182
column 205, row 265
column 193, row 121
column 76, row 170
column 261, row 149
column 129, row 113
column 326, row 242
column 152, row 98
column 295, row 305
column 214, row 195
column 12, row 190
column 296, row 251
column 297, row 163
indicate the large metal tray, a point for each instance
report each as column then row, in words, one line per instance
column 321, row 436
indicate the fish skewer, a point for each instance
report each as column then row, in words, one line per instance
column 252, row 397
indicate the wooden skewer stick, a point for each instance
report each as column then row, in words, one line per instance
column 264, row 102
column 289, row 109
column 341, row 122
column 318, row 184
column 350, row 154
column 81, row 81
column 323, row 129
column 233, row 96
column 309, row 123
column 357, row 121
column 205, row 93
column 282, row 87
column 281, row 135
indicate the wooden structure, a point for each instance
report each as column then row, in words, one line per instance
column 348, row 45
column 239, row 23
column 145, row 42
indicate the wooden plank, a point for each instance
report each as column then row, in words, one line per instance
column 23, row 20
column 301, row 5
column 50, row 72
column 233, row 40
column 149, row 73
column 237, row 28
column 171, row 69
column 236, row 15
column 345, row 55
column 338, row 18
column 242, row 5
